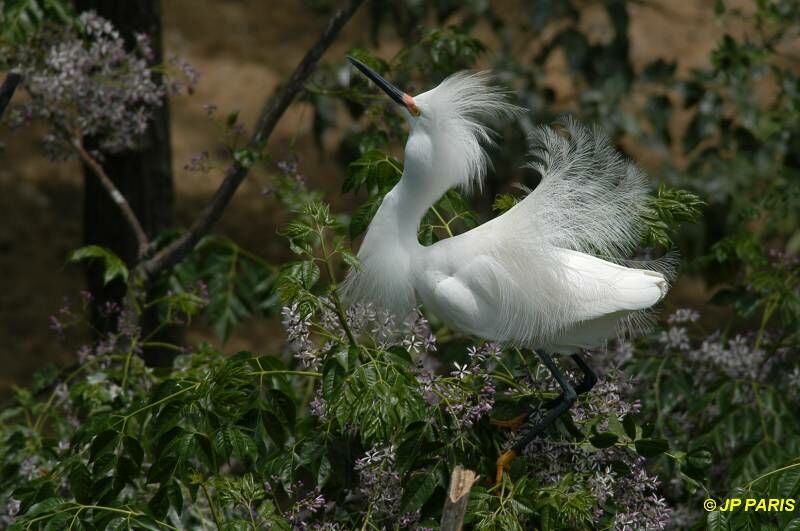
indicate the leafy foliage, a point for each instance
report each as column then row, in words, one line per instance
column 236, row 283
column 21, row 19
column 365, row 410
column 113, row 266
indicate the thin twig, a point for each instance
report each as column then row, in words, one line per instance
column 273, row 111
column 7, row 90
column 115, row 194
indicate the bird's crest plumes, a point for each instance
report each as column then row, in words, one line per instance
column 457, row 115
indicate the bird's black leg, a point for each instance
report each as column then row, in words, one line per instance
column 566, row 401
column 589, row 376
column 7, row 90
column 584, row 386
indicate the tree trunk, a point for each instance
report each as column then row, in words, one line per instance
column 143, row 176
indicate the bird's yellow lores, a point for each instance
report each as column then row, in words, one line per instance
column 532, row 277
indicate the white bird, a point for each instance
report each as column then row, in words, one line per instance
column 548, row 274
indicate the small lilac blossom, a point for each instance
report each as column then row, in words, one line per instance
column 199, row 163
column 318, row 407
column 475, row 354
column 12, row 507
column 683, row 315
column 187, row 81
column 429, row 343
column 29, row 468
column 794, row 381
column 461, row 371
column 676, row 337
column 408, row 520
column 83, row 354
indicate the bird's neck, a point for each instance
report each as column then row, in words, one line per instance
column 407, row 204
column 390, row 249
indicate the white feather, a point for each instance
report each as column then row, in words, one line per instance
column 532, row 276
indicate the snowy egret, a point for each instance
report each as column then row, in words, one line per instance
column 532, row 277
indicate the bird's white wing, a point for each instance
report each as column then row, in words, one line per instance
column 600, row 287
column 589, row 199
column 486, row 283
column 530, row 275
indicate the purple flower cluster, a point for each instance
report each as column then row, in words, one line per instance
column 738, row 357
column 83, row 82
column 606, row 400
column 291, row 168
column 379, row 481
column 412, row 332
column 469, row 393
column 634, row 493
column 199, row 163
column 742, row 356
column 305, row 507
column 298, row 329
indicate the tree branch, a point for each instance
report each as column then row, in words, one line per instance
column 273, row 111
column 116, row 196
column 455, row 505
column 7, row 90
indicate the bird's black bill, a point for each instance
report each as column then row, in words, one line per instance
column 395, row 93
column 7, row 90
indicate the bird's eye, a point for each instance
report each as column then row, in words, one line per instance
column 414, row 110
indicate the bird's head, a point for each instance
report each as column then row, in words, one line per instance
column 448, row 133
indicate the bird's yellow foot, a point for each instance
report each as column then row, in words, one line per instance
column 512, row 424
column 502, row 464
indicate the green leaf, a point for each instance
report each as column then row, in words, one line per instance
column 362, row 217
column 699, row 459
column 629, row 424
column 274, row 428
column 175, row 496
column 161, row 471
column 333, row 374
column 716, row 521
column 113, row 266
column 789, row 483
column 133, row 449
column 126, row 472
column 374, row 169
column 231, row 119
column 159, row 503
column 419, row 489
column 104, row 442
column 246, row 157
column 604, row 440
column 296, row 280
column 793, row 525
column 504, row 202
column 21, row 19
column 651, row 447
column 284, row 406
column 667, row 210
column 80, row 483
column 206, row 452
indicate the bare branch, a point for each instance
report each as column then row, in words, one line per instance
column 273, row 111
column 455, row 505
column 116, row 196
column 7, row 90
